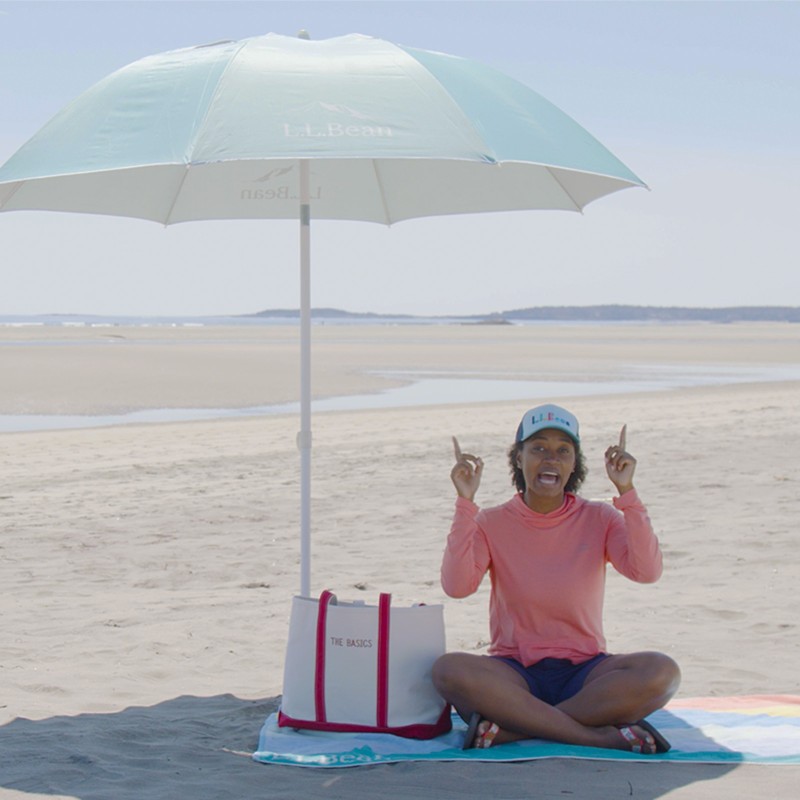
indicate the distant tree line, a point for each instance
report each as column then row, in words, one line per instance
column 609, row 313
column 619, row 313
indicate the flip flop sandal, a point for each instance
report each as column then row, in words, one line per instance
column 472, row 729
column 472, row 740
column 487, row 739
column 662, row 745
column 637, row 743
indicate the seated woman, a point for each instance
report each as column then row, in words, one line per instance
column 548, row 675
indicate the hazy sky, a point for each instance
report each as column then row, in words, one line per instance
column 700, row 99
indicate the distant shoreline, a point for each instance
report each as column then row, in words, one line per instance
column 601, row 313
column 557, row 314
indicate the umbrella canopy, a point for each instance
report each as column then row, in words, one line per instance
column 215, row 132
column 280, row 127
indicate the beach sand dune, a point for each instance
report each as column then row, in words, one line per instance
column 148, row 570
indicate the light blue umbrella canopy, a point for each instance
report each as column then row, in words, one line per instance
column 280, row 127
column 216, row 132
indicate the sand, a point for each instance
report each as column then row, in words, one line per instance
column 147, row 570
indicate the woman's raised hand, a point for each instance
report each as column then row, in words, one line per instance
column 466, row 473
column 620, row 464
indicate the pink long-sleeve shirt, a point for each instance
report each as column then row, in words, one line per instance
column 548, row 571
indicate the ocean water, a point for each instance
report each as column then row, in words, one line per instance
column 420, row 389
column 423, row 390
column 111, row 321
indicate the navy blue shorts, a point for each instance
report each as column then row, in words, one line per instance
column 554, row 679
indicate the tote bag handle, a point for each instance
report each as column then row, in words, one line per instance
column 382, row 699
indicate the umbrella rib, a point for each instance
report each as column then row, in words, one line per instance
column 488, row 154
column 379, row 182
column 198, row 128
column 212, row 91
column 168, row 216
column 578, row 207
column 17, row 186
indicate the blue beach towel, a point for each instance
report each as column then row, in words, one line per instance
column 758, row 729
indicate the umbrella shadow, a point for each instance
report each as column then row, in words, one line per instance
column 200, row 747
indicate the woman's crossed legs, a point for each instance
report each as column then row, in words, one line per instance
column 619, row 691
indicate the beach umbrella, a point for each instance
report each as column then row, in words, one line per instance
column 277, row 127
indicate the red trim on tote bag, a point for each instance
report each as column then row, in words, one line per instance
column 382, row 699
column 420, row 730
column 319, row 669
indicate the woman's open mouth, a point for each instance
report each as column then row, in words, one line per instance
column 547, row 478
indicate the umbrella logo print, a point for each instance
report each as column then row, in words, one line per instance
column 274, row 173
column 276, row 192
column 340, row 109
column 358, row 126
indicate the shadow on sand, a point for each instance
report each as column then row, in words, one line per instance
column 199, row 748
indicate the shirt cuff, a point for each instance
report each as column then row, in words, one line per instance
column 628, row 500
column 462, row 504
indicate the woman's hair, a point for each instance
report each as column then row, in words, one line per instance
column 573, row 483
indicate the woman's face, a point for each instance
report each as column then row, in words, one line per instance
column 546, row 459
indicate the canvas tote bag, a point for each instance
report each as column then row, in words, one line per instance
column 354, row 667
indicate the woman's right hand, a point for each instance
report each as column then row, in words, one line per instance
column 466, row 474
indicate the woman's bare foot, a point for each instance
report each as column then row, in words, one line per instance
column 654, row 741
column 486, row 734
column 639, row 737
column 482, row 733
column 635, row 738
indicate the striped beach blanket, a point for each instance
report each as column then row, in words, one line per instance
column 757, row 729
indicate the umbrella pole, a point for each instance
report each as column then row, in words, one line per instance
column 304, row 437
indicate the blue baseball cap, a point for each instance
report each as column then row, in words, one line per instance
column 548, row 416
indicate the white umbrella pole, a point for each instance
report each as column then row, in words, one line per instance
column 304, row 437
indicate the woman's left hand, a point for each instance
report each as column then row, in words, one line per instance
column 620, row 464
